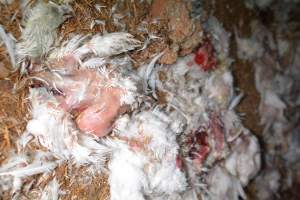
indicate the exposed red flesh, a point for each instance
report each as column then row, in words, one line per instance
column 199, row 147
column 205, row 56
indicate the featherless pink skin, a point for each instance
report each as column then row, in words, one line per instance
column 84, row 91
column 98, row 107
column 98, row 118
column 96, row 115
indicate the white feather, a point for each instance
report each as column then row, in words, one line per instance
column 154, row 165
column 69, row 47
column 244, row 162
column 146, row 71
column 110, row 44
column 128, row 181
column 51, row 191
column 31, row 169
column 220, row 37
column 93, row 63
column 224, row 186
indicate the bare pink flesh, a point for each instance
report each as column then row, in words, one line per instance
column 84, row 90
column 98, row 118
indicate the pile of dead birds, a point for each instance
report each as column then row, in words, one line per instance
column 274, row 50
column 158, row 131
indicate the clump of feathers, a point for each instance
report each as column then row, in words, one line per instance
column 275, row 60
column 39, row 33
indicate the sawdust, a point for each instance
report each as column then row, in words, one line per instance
column 13, row 105
column 97, row 189
column 4, row 64
column 94, row 17
column 13, row 114
column 11, row 16
column 84, row 16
